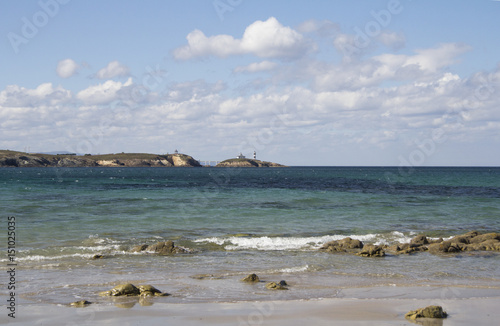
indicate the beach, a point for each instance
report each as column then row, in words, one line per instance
column 386, row 310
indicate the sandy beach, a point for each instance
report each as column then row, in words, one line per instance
column 480, row 309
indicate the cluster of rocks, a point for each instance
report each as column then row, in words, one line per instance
column 353, row 246
column 471, row 241
column 161, row 248
column 129, row 289
column 253, row 278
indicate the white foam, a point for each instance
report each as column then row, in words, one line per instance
column 281, row 243
column 297, row 269
column 41, row 258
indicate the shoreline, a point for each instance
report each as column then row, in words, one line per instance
column 385, row 310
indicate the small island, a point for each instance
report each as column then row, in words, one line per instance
column 242, row 161
column 21, row 159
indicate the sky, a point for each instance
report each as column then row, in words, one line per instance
column 305, row 83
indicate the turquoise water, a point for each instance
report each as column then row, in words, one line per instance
column 237, row 221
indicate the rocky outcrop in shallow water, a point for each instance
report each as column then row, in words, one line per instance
column 162, row 248
column 344, row 245
column 251, row 278
column 129, row 290
column 470, row 241
column 281, row 285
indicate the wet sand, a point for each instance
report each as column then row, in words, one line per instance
column 477, row 310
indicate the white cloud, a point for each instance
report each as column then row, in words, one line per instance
column 266, row 39
column 44, row 94
column 67, row 68
column 113, row 69
column 257, row 67
column 102, row 93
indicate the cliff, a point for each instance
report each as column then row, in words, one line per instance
column 247, row 163
column 20, row 159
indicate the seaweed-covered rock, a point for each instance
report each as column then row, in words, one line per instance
column 371, row 251
column 277, row 286
column 129, row 289
column 251, row 278
column 427, row 312
column 149, row 290
column 126, row 289
column 342, row 245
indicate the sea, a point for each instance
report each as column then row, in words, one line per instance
column 238, row 221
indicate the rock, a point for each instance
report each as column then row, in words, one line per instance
column 427, row 312
column 276, row 286
column 283, row 283
column 251, row 278
column 80, row 304
column 372, row 251
column 97, row 256
column 464, row 238
column 149, row 290
column 139, row 248
column 129, row 289
column 342, row 245
column 485, row 237
column 160, row 248
column 419, row 240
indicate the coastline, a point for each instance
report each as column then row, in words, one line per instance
column 387, row 309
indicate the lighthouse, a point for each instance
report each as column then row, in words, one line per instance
column 254, row 155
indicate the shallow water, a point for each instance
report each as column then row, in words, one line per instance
column 240, row 221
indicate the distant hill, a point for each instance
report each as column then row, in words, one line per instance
column 246, row 162
column 21, row 159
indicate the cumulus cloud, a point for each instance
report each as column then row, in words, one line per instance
column 194, row 90
column 102, row 93
column 44, row 94
column 257, row 67
column 67, row 68
column 266, row 39
column 113, row 69
column 422, row 66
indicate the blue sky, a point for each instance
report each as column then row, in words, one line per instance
column 395, row 82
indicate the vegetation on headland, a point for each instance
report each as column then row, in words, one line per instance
column 21, row 159
column 246, row 162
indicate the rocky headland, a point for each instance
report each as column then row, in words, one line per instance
column 20, row 159
column 247, row 163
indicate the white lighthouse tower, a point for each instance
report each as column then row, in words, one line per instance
column 254, row 155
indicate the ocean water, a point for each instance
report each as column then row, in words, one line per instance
column 236, row 221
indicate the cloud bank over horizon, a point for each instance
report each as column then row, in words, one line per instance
column 290, row 93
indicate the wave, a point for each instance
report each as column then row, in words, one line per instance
column 267, row 243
